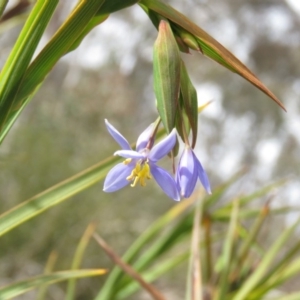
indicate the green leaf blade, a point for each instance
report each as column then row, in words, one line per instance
column 20, row 56
column 59, row 45
column 24, row 286
column 110, row 6
column 54, row 195
column 66, row 37
column 209, row 45
column 267, row 260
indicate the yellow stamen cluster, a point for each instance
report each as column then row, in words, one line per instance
column 141, row 172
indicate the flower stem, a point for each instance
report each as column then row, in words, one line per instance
column 184, row 131
column 151, row 139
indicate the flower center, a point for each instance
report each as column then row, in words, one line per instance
column 141, row 172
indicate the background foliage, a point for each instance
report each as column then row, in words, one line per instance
column 61, row 132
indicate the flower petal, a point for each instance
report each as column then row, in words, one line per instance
column 187, row 173
column 165, row 181
column 203, row 176
column 118, row 137
column 116, row 177
column 129, row 154
column 144, row 137
column 164, row 147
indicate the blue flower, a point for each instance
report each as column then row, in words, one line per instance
column 188, row 171
column 139, row 165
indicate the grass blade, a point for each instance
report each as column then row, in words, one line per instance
column 78, row 258
column 262, row 192
column 212, row 199
column 294, row 296
column 13, row 116
column 223, row 215
column 54, row 195
column 227, row 252
column 162, row 244
column 276, row 280
column 110, row 6
column 58, row 193
column 59, row 45
column 14, row 69
column 267, row 260
column 149, row 234
column 161, row 268
column 250, row 240
column 48, row 269
column 24, row 286
column 98, row 19
column 194, row 279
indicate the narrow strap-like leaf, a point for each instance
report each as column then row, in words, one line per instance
column 227, row 252
column 49, row 268
column 59, row 45
column 20, row 56
column 268, row 258
column 54, row 195
column 77, row 259
column 110, row 6
column 63, row 40
column 24, row 286
column 209, row 45
column 148, row 235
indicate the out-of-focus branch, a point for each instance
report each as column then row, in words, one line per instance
column 3, row 4
column 156, row 295
column 18, row 9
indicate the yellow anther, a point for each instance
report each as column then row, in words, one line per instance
column 127, row 161
column 140, row 173
column 136, row 179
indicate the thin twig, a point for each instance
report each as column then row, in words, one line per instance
column 156, row 295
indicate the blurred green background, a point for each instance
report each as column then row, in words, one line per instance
column 62, row 131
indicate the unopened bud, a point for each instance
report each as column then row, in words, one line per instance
column 181, row 45
column 166, row 71
column 189, row 39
